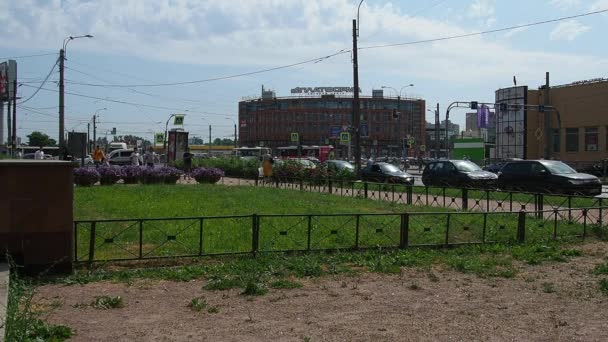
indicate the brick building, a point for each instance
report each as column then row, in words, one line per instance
column 385, row 122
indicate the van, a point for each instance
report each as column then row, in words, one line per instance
column 117, row 146
column 122, row 157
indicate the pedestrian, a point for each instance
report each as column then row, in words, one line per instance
column 39, row 155
column 135, row 157
column 267, row 163
column 98, row 156
column 187, row 163
column 149, row 157
column 420, row 163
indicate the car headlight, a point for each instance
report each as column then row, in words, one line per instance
column 576, row 182
column 409, row 179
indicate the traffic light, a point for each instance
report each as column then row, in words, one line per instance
column 395, row 114
column 473, row 104
column 113, row 131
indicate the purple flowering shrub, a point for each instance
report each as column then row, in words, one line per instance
column 165, row 174
column 109, row 174
column 132, row 174
column 207, row 174
column 85, row 176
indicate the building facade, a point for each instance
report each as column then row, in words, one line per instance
column 578, row 127
column 386, row 122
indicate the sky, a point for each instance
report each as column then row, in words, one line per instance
column 139, row 44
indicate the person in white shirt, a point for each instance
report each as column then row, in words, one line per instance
column 135, row 158
column 39, row 155
column 149, row 157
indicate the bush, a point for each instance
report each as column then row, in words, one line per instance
column 86, row 176
column 151, row 176
column 207, row 174
column 289, row 169
column 169, row 174
column 109, row 174
column 232, row 166
column 132, row 174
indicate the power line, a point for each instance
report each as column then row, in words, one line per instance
column 484, row 32
column 42, row 84
column 185, row 111
column 28, row 56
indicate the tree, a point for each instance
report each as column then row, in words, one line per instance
column 131, row 140
column 40, row 139
column 223, row 142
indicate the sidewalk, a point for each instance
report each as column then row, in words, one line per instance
column 4, row 283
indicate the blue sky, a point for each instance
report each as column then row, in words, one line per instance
column 149, row 42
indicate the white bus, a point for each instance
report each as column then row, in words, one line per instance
column 251, row 152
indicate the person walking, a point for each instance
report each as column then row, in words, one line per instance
column 135, row 157
column 39, row 155
column 267, row 162
column 98, row 156
column 149, row 157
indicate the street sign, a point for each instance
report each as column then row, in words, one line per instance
column 422, row 148
column 295, row 137
column 178, row 120
column 159, row 139
column 344, row 137
column 411, row 141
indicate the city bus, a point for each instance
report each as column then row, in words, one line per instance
column 251, row 152
column 322, row 153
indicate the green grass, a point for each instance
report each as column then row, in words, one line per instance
column 603, row 284
column 601, row 269
column 197, row 304
column 107, row 302
column 176, row 236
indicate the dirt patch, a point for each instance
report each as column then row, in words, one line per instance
column 549, row 302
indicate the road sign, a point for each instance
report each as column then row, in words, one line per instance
column 411, row 141
column 159, row 138
column 422, row 148
column 178, row 120
column 295, row 137
column 344, row 137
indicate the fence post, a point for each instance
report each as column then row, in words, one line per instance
column 555, row 213
column 92, row 243
column 200, row 237
column 521, row 227
column 465, row 199
column 256, row 181
column 569, row 209
column 301, row 184
column 309, row 232
column 255, row 231
column 356, row 231
column 365, row 189
column 539, row 205
column 447, row 231
column 600, row 218
column 584, row 223
column 76, row 241
column 141, row 239
column 330, row 186
column 485, row 224
column 409, row 198
column 404, row 231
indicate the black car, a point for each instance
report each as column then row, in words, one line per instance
column 457, row 173
column 547, row 176
column 385, row 172
column 497, row 166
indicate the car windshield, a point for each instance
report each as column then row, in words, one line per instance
column 558, row 168
column 344, row 164
column 466, row 166
column 389, row 168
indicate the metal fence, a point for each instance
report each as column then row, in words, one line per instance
column 135, row 239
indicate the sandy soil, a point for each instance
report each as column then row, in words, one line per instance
column 410, row 306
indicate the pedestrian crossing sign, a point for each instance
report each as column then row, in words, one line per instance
column 344, row 137
column 179, row 120
column 295, row 137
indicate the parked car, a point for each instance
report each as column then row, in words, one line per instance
column 122, row 157
column 338, row 165
column 497, row 166
column 457, row 173
column 386, row 173
column 305, row 162
column 87, row 160
column 547, row 176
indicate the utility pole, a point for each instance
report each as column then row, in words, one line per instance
column 14, row 141
column 89, row 137
column 235, row 139
column 9, row 137
column 547, row 114
column 94, row 130
column 1, row 122
column 61, row 104
column 356, row 117
column 437, row 128
column 209, row 140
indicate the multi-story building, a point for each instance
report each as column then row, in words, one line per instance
column 386, row 122
column 578, row 123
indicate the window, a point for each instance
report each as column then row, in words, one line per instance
column 571, row 139
column 555, row 139
column 591, row 139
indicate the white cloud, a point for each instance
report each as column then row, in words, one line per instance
column 565, row 4
column 568, row 30
column 599, row 5
column 484, row 10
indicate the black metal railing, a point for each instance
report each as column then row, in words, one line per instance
column 137, row 239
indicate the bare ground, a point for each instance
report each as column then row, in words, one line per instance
column 411, row 306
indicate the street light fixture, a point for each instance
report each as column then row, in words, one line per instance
column 62, row 91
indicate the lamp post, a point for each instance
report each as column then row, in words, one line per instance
column 209, row 147
column 62, row 91
column 356, row 116
column 411, row 121
column 235, row 139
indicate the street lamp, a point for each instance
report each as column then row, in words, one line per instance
column 411, row 121
column 235, row 139
column 62, row 91
column 95, row 124
column 209, row 147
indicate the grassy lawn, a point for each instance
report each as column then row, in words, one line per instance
column 288, row 220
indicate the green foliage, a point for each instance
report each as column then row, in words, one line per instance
column 221, row 283
column 601, row 269
column 254, row 288
column 306, row 266
column 285, row 284
column 107, row 302
column 232, row 166
column 37, row 138
column 23, row 323
column 603, row 284
column 198, row 304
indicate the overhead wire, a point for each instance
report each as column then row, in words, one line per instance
column 29, row 56
column 41, row 85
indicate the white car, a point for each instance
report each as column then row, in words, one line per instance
column 122, row 157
